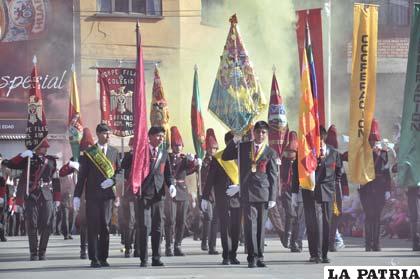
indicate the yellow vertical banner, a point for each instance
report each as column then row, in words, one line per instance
column 363, row 92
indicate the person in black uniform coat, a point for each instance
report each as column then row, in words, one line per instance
column 99, row 198
column 44, row 188
column 258, row 171
column 374, row 194
column 228, row 208
column 150, row 203
column 318, row 203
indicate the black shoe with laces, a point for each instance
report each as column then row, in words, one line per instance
column 234, row 261
column 157, row 263
column 95, row 264
column 261, row 263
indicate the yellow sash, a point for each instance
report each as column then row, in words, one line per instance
column 99, row 159
column 254, row 158
column 230, row 167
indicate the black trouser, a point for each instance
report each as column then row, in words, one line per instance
column 128, row 218
column 149, row 220
column 413, row 200
column 66, row 220
column 296, row 224
column 175, row 217
column 98, row 217
column 317, row 219
column 335, row 221
column 230, row 227
column 38, row 215
column 290, row 216
column 372, row 203
column 210, row 226
column 82, row 225
column 255, row 216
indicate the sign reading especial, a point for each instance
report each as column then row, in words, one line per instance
column 35, row 27
column 116, row 99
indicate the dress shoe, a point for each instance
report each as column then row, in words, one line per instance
column 70, row 237
column 314, row 259
column 143, row 264
column 234, row 261
column 332, row 248
column 41, row 256
column 178, row 252
column 251, row 264
column 168, row 252
column 3, row 238
column 261, row 263
column 33, row 257
column 376, row 249
column 295, row 250
column 213, row 252
column 104, row 263
column 66, row 237
column 127, row 253
column 95, row 264
column 136, row 253
column 325, row 260
column 157, row 263
column 225, row 262
column 83, row 255
column 204, row 247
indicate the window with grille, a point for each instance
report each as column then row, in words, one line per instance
column 145, row 7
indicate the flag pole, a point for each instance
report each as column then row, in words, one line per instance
column 329, row 49
column 198, row 176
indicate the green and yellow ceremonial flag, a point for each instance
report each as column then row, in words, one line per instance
column 197, row 122
column 363, row 92
column 159, row 113
column 409, row 152
column 75, row 124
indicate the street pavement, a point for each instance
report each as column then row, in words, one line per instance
column 63, row 261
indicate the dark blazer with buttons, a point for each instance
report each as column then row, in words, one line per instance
column 259, row 186
column 160, row 172
column 91, row 177
column 328, row 175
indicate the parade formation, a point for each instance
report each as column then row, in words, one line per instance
column 265, row 172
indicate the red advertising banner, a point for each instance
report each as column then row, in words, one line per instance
column 45, row 29
column 313, row 17
column 116, row 99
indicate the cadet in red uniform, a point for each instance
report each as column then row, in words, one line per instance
column 374, row 193
column 43, row 190
column 210, row 218
column 176, row 208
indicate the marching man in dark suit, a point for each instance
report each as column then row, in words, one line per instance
column 96, row 173
column 150, row 203
column 258, row 170
column 318, row 203
column 44, row 188
column 177, row 207
column 221, row 175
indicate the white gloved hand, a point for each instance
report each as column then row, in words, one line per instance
column 1, row 201
column 10, row 208
column 190, row 157
column 193, row 204
column 172, row 191
column 27, row 153
column 117, row 202
column 294, row 199
column 346, row 198
column 57, row 204
column 19, row 209
column 74, row 165
column 237, row 138
column 387, row 195
column 107, row 183
column 204, row 205
column 76, row 203
column 271, row 204
column 198, row 162
column 232, row 190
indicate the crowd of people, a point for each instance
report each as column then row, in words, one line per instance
column 236, row 192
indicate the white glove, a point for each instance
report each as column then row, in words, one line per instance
column 198, row 162
column 172, row 191
column 387, row 195
column 19, row 209
column 74, row 165
column 76, row 203
column 1, row 201
column 27, row 153
column 190, row 157
column 10, row 208
column 346, row 198
column 57, row 204
column 107, row 183
column 193, row 204
column 237, row 138
column 294, row 199
column 271, row 204
column 232, row 190
column 117, row 202
column 204, row 205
